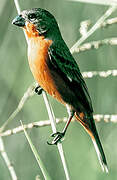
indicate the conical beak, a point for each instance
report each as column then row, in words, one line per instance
column 19, row 21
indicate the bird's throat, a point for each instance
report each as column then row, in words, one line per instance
column 30, row 30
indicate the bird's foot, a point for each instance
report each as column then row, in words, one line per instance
column 57, row 138
column 38, row 90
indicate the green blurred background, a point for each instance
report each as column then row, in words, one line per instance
column 15, row 78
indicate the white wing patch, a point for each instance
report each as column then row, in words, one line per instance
column 70, row 79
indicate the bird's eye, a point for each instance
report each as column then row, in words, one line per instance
column 32, row 16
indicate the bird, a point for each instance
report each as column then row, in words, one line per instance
column 57, row 73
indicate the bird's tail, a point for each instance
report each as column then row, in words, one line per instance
column 90, row 127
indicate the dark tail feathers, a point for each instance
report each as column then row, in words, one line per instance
column 90, row 127
column 100, row 153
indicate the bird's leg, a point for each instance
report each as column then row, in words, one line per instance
column 38, row 90
column 59, row 135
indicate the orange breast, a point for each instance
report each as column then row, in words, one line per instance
column 38, row 57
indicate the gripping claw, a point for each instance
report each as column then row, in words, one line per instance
column 57, row 138
column 38, row 90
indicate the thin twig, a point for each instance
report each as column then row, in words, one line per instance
column 53, row 125
column 17, row 6
column 94, row 28
column 108, row 22
column 37, row 177
column 98, row 117
column 103, row 74
column 100, row 2
column 31, row 125
column 84, row 25
column 7, row 161
column 96, row 44
column 37, row 157
column 29, row 93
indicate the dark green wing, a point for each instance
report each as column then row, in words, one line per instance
column 65, row 65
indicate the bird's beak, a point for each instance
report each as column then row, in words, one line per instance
column 19, row 21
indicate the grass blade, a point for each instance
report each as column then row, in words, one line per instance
column 37, row 157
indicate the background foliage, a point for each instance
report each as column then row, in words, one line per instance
column 15, row 77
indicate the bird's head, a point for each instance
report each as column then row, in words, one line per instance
column 37, row 21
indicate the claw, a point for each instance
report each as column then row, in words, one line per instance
column 54, row 134
column 49, row 143
column 57, row 138
column 38, row 90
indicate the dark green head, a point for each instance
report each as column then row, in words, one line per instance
column 44, row 21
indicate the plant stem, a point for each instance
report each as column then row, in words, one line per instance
column 7, row 161
column 37, row 157
column 99, row 2
column 94, row 28
column 53, row 124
